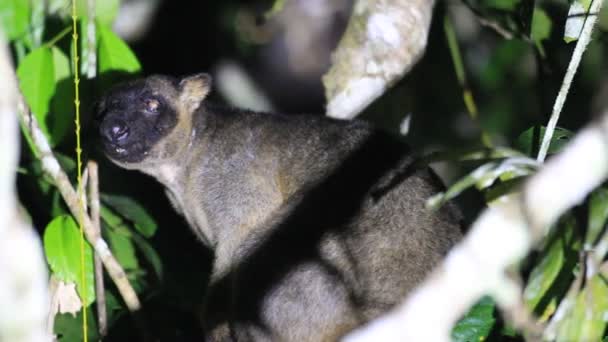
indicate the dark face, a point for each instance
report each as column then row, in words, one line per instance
column 133, row 118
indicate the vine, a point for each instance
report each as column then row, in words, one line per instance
column 79, row 167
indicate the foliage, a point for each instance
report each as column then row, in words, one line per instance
column 45, row 75
column 556, row 277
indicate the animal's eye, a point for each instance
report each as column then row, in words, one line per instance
column 152, row 105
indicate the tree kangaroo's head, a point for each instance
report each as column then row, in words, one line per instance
column 149, row 120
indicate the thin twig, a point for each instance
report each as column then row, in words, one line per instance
column 52, row 169
column 102, row 317
column 89, row 61
column 494, row 25
column 54, row 306
column 81, row 191
column 577, row 55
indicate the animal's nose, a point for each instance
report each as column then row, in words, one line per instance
column 115, row 131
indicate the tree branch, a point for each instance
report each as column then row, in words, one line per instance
column 24, row 301
column 100, row 293
column 382, row 42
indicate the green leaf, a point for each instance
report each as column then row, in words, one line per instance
column 483, row 154
column 62, row 246
column 461, row 185
column 507, row 5
column 150, row 254
column 123, row 248
column 36, row 74
column 277, row 7
column 111, row 218
column 598, row 214
column 484, row 176
column 587, row 320
column 477, row 323
column 551, row 275
column 577, row 14
column 529, row 141
column 503, row 63
column 114, row 54
column 58, row 207
column 544, row 273
column 133, row 211
column 68, row 328
column 541, row 26
column 105, row 11
column 14, row 18
column 61, row 120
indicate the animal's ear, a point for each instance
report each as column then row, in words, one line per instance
column 193, row 90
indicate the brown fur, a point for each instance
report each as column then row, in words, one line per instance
column 317, row 225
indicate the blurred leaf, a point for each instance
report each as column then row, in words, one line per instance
column 123, row 248
column 484, row 154
column 36, row 74
column 14, row 18
column 598, row 214
column 61, row 120
column 506, row 5
column 502, row 188
column 61, row 64
column 508, row 169
column 68, row 328
column 549, row 310
column 505, row 57
column 484, row 176
column 58, row 207
column 62, row 249
column 105, row 11
column 133, row 211
column 551, row 275
column 544, row 273
column 587, row 320
column 461, row 185
column 114, row 54
column 110, row 217
column 577, row 14
column 277, row 6
column 541, row 27
column 477, row 323
column 150, row 254
column 528, row 143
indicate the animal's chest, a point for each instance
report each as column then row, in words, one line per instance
column 190, row 205
column 185, row 198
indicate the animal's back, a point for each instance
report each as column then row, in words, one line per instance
column 350, row 244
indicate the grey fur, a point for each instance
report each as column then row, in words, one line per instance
column 317, row 225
